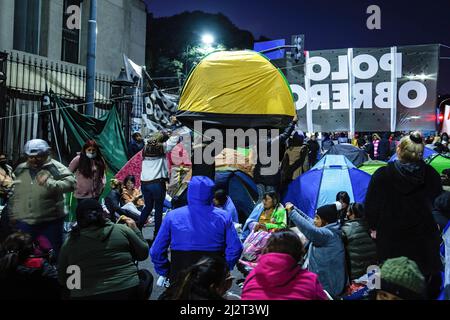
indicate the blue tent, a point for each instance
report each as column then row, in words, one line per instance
column 239, row 186
column 319, row 186
column 426, row 154
column 356, row 155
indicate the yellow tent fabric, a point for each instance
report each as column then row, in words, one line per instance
column 236, row 89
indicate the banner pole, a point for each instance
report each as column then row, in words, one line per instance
column 351, row 83
column 393, row 89
column 309, row 120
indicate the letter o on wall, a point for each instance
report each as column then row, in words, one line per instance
column 302, row 97
column 325, row 68
column 419, row 100
column 371, row 70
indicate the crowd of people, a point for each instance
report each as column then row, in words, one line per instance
column 282, row 253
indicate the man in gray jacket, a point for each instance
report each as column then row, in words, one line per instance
column 326, row 254
column 37, row 205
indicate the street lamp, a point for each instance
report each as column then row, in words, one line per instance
column 208, row 39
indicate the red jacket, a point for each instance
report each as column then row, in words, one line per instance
column 278, row 277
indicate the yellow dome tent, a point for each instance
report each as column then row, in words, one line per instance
column 236, row 89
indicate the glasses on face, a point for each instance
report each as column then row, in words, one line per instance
column 39, row 158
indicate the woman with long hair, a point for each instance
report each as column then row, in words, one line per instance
column 267, row 216
column 89, row 168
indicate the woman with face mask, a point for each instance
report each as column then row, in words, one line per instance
column 89, row 167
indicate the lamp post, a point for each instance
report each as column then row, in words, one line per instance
column 122, row 90
column 91, row 52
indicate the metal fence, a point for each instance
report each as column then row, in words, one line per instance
column 30, row 74
column 28, row 77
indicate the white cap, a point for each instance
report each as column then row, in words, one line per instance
column 36, row 147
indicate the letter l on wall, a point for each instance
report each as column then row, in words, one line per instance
column 393, row 89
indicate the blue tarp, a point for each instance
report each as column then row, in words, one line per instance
column 319, row 186
column 426, row 154
column 278, row 54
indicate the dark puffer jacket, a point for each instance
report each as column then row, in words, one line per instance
column 361, row 251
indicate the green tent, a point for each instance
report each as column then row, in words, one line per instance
column 439, row 162
column 372, row 166
column 107, row 131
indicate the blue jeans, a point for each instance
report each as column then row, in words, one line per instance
column 154, row 195
column 52, row 230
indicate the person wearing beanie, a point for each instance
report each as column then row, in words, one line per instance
column 106, row 254
column 326, row 254
column 401, row 279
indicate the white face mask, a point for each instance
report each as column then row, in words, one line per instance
column 91, row 155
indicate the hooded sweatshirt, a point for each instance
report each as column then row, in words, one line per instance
column 106, row 258
column 278, row 277
column 197, row 227
column 326, row 254
column 398, row 206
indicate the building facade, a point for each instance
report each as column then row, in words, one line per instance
column 43, row 46
column 39, row 27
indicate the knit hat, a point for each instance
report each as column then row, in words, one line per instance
column 402, row 277
column 328, row 213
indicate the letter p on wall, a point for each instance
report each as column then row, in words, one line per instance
column 374, row 20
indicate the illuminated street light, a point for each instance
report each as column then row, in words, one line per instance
column 208, row 39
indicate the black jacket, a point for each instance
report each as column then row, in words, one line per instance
column 399, row 207
column 273, row 179
column 384, row 150
column 38, row 282
column 314, row 148
column 360, row 249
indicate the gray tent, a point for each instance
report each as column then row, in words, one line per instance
column 354, row 154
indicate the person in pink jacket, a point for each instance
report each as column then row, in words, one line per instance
column 278, row 275
column 89, row 168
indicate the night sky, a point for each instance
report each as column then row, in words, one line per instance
column 331, row 24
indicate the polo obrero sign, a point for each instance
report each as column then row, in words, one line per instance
column 389, row 88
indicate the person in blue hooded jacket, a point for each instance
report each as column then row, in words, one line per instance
column 195, row 231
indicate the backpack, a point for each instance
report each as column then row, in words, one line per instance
column 254, row 244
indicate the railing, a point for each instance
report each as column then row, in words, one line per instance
column 32, row 74
column 28, row 78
